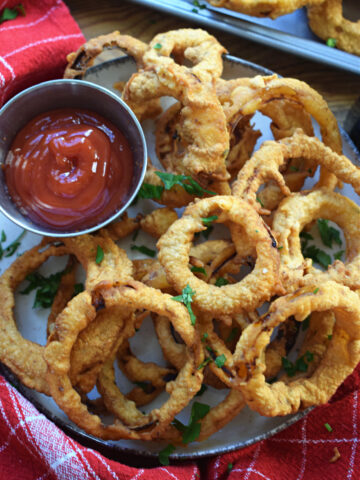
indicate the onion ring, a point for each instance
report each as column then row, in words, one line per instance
column 327, row 21
column 253, row 290
column 339, row 360
column 57, row 354
column 263, row 8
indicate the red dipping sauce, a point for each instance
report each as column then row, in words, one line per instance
column 69, row 169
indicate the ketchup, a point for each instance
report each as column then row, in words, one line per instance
column 69, row 169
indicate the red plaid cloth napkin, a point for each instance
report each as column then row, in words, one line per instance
column 33, row 49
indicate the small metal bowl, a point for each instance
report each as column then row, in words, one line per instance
column 57, row 94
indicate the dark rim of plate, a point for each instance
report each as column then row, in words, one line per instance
column 131, row 456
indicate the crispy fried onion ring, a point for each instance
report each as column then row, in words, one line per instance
column 25, row 358
column 300, row 210
column 136, row 296
column 203, row 125
column 257, row 93
column 339, row 360
column 327, row 21
column 264, row 8
column 266, row 162
column 254, row 289
column 83, row 58
column 194, row 45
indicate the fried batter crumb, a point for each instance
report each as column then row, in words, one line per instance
column 336, row 455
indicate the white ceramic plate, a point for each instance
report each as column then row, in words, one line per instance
column 248, row 427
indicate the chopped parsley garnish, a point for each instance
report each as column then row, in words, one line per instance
column 338, row 255
column 229, row 467
column 220, row 361
column 78, row 288
column 186, row 299
column 209, row 220
column 135, row 235
column 329, row 337
column 99, row 255
column 158, row 46
column 259, row 201
column 165, row 453
column 232, row 335
column 221, row 281
column 198, row 270
column 316, row 290
column 301, row 364
column 293, row 168
column 150, row 191
column 204, row 337
column 190, row 185
column 198, row 4
column 328, row 234
column 12, row 248
column 306, row 236
column 331, row 42
column 46, row 288
column 317, row 255
column 204, row 363
column 280, row 247
column 145, row 250
column 328, row 427
column 201, row 391
column 11, row 13
column 191, row 432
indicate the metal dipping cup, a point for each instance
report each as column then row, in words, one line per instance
column 56, row 94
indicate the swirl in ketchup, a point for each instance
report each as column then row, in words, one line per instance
column 69, row 169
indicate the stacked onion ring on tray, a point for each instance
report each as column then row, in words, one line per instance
column 327, row 18
column 228, row 310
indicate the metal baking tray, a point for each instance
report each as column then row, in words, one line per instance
column 289, row 32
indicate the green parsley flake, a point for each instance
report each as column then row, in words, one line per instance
column 158, row 46
column 328, row 234
column 165, row 453
column 186, row 299
column 301, row 364
column 11, row 13
column 191, row 432
column 12, row 247
column 330, row 337
column 293, row 168
column 204, row 363
column 328, row 427
column 259, row 201
column 316, row 290
column 145, row 250
column 220, row 361
column 331, row 42
column 221, row 281
column 198, row 270
column 204, row 337
column 338, row 255
column 78, row 288
column 46, row 288
column 209, row 220
column 190, row 185
column 150, row 191
column 229, row 467
column 201, row 391
column 99, row 255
